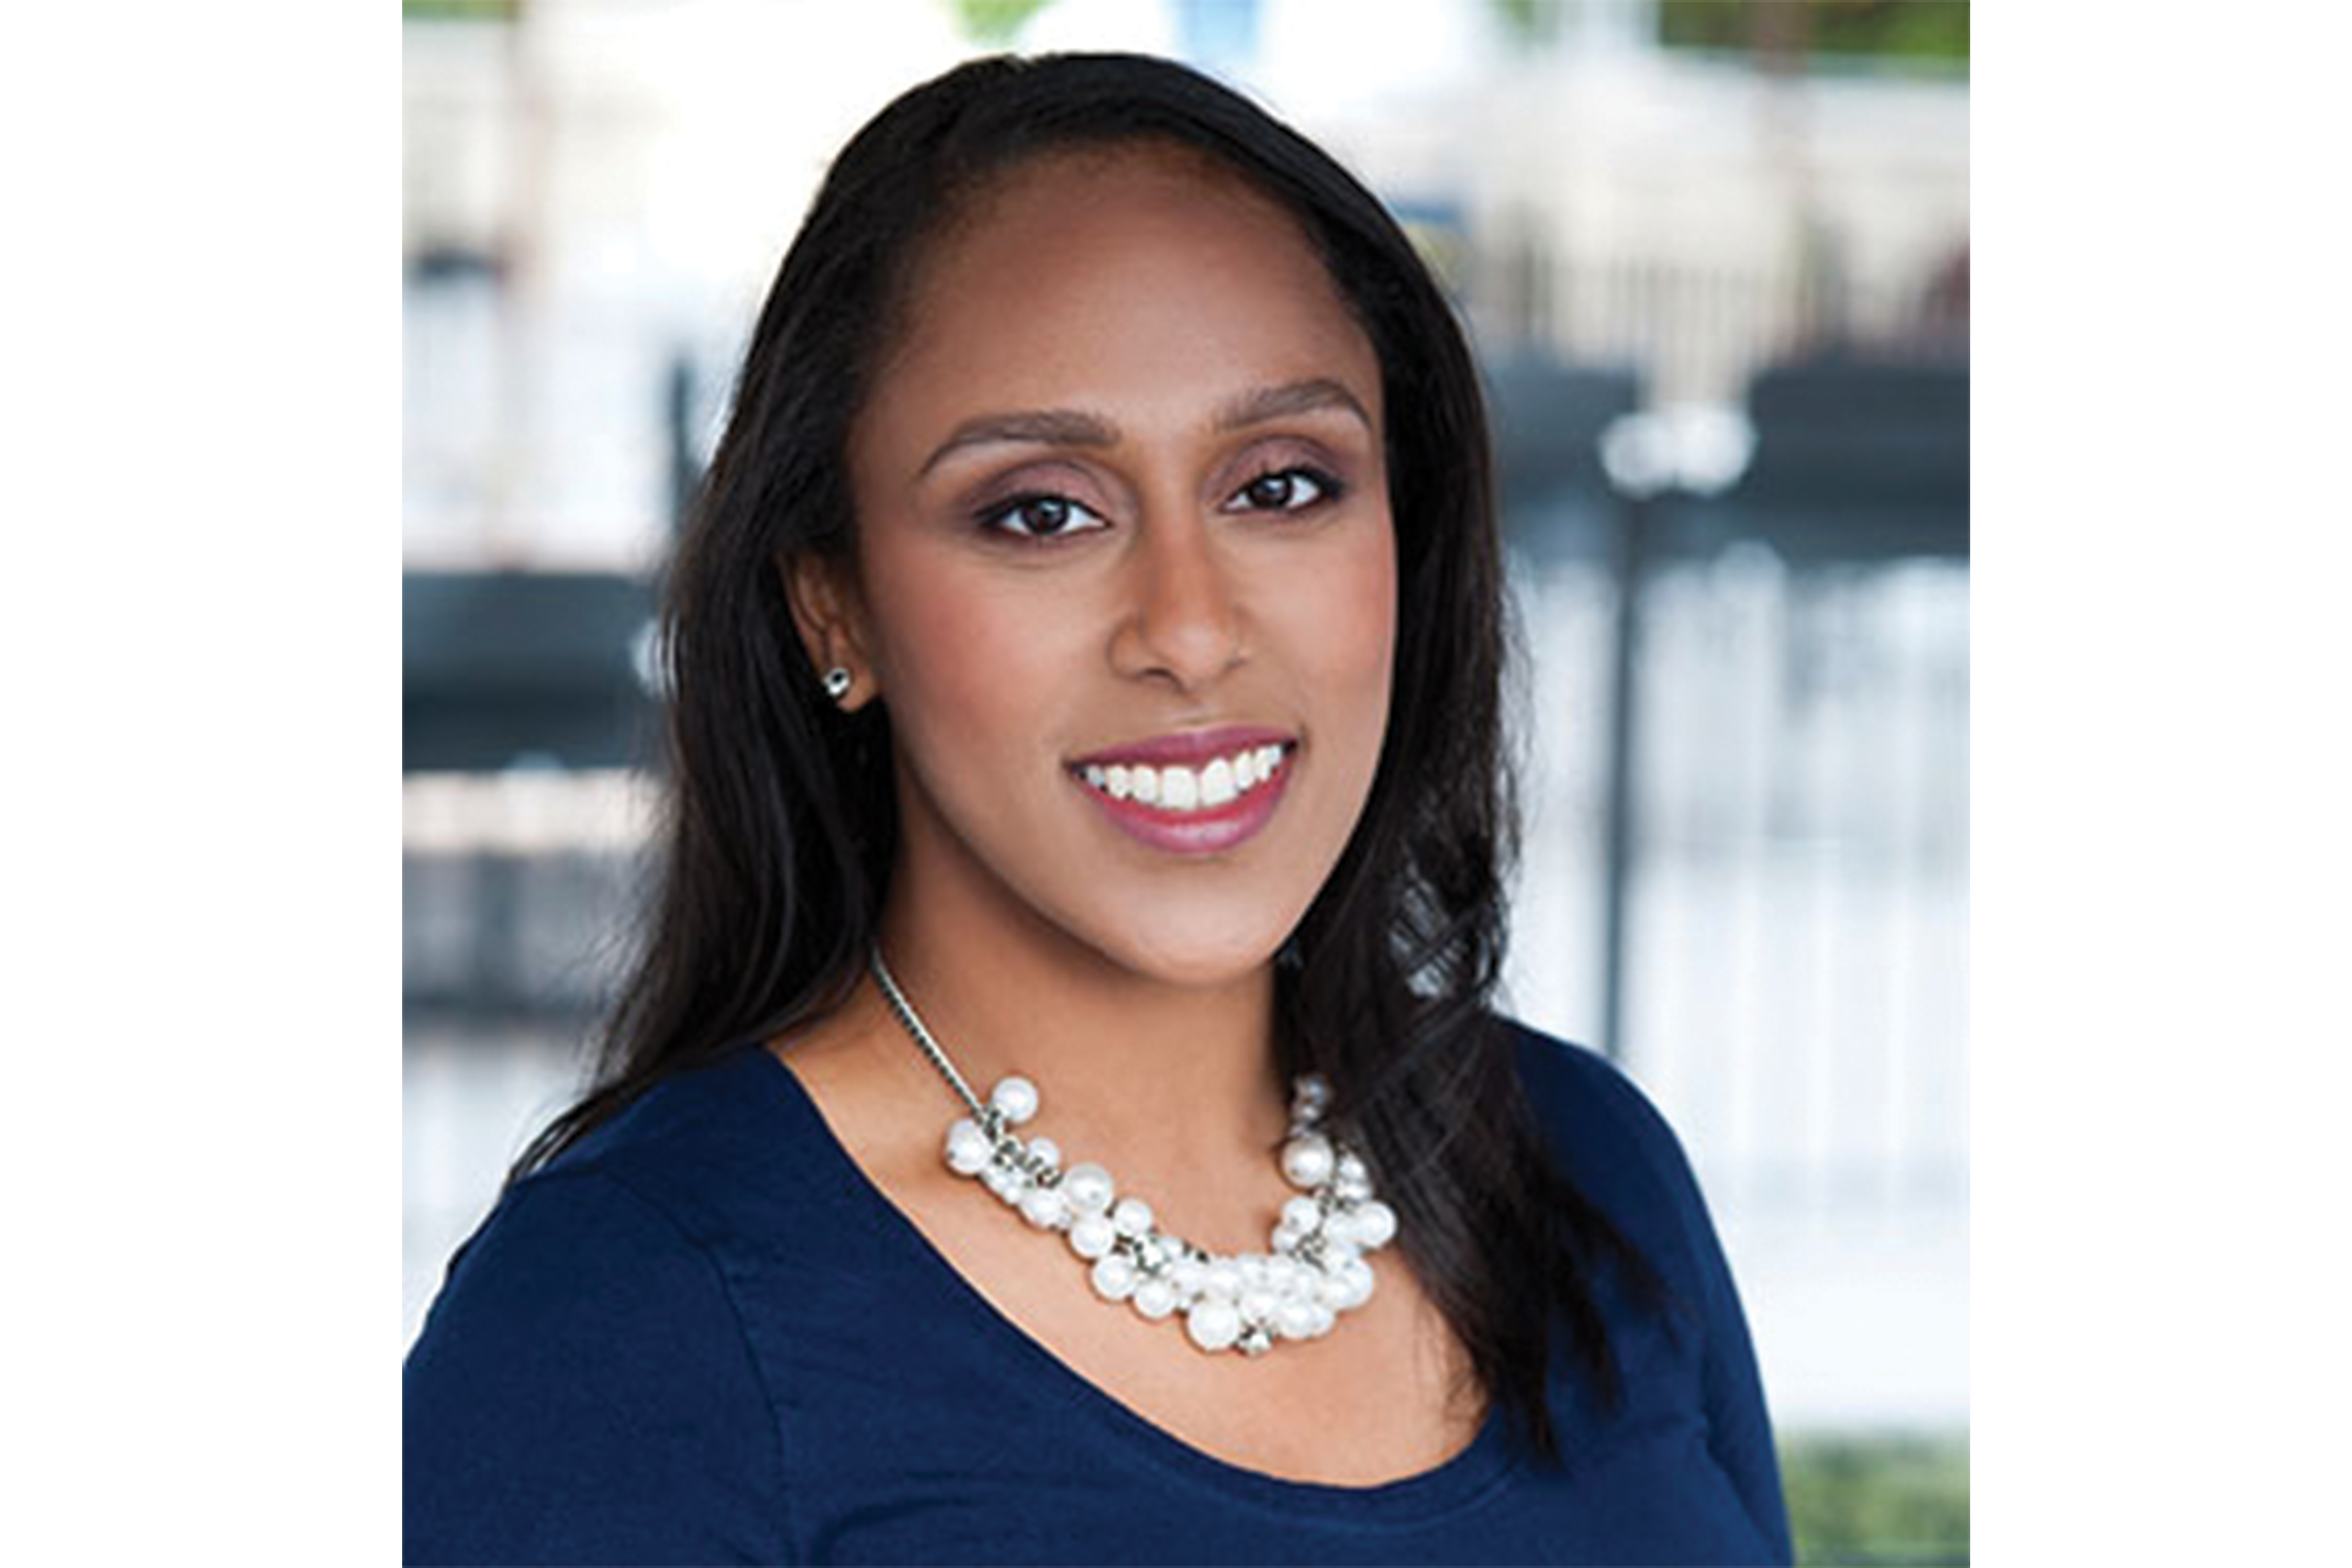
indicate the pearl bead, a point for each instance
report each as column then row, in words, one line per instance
column 1331, row 1290
column 1114, row 1277
column 1302, row 1215
column 968, row 1147
column 1286, row 1239
column 1088, row 1188
column 1155, row 1299
column 1044, row 1208
column 1091, row 1236
column 1045, row 1151
column 1307, row 1161
column 1222, row 1279
column 1258, row 1306
column 1016, row 1098
column 1350, row 1168
column 1212, row 1323
column 1132, row 1217
column 1005, row 1182
column 1375, row 1225
column 1295, row 1320
column 1356, row 1280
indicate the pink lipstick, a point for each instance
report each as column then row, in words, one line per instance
column 1195, row 794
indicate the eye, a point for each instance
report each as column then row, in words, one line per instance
column 1041, row 517
column 1286, row 489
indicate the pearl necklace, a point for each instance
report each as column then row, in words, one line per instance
column 1317, row 1267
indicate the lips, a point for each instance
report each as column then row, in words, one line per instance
column 1190, row 793
column 1191, row 749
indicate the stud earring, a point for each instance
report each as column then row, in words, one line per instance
column 837, row 681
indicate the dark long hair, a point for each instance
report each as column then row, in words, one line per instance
column 781, row 818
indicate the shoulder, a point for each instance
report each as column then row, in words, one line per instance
column 620, row 1231
column 723, row 1123
column 583, row 1388
column 679, row 1177
column 1579, row 1095
column 654, row 1212
column 1611, row 1141
column 565, row 1258
column 1618, row 1149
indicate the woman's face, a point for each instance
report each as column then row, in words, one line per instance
column 1123, row 510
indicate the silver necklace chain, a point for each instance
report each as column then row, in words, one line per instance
column 913, row 1023
column 1316, row 1269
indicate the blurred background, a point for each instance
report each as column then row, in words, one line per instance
column 1715, row 255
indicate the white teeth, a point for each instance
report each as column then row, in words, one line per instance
column 1176, row 788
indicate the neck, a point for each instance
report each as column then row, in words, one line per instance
column 1161, row 1082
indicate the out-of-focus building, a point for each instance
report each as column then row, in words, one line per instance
column 597, row 191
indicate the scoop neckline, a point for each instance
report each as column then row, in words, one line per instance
column 1461, row 1481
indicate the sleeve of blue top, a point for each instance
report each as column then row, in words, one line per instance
column 1740, row 1430
column 582, row 1392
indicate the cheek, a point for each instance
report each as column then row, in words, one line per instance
column 963, row 662
column 1348, row 628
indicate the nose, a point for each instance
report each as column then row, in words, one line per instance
column 1181, row 621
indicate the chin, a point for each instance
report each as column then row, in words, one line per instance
column 1205, row 960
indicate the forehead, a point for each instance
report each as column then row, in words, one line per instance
column 1137, row 276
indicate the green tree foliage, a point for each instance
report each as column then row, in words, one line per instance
column 995, row 22
column 1894, row 1500
column 1895, row 30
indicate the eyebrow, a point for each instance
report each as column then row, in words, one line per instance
column 1073, row 427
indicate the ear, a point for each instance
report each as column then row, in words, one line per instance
column 829, row 612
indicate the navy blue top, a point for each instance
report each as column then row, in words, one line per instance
column 703, row 1336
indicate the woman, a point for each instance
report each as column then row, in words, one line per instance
column 1058, row 1116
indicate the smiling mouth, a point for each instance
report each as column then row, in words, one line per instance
column 1175, row 789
